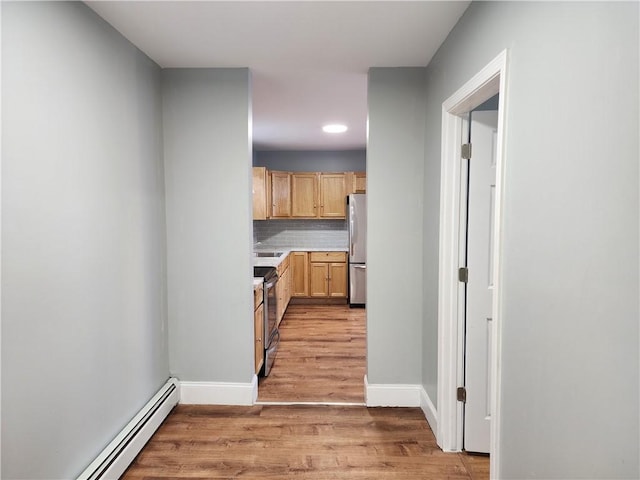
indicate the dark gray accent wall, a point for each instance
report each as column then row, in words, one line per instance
column 570, row 301
column 84, row 324
column 312, row 160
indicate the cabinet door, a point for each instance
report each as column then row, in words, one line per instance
column 283, row 292
column 286, row 278
column 337, row 279
column 259, row 193
column 300, row 274
column 280, row 195
column 280, row 300
column 258, row 318
column 332, row 195
column 360, row 182
column 318, row 279
column 304, row 195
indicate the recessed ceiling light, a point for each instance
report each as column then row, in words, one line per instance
column 334, row 128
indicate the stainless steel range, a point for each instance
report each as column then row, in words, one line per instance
column 271, row 333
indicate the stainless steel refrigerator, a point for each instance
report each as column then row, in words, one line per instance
column 357, row 220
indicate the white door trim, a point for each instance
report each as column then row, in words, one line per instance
column 484, row 85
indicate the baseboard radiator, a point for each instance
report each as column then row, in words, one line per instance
column 118, row 455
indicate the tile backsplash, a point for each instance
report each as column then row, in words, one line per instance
column 300, row 233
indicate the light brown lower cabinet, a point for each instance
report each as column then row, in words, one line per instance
column 327, row 275
column 258, row 320
column 283, row 287
column 299, row 274
column 328, row 280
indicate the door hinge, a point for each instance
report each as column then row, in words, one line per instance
column 466, row 151
column 463, row 274
column 461, row 394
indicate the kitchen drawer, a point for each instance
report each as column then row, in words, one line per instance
column 257, row 296
column 284, row 264
column 333, row 257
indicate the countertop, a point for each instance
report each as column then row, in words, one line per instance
column 274, row 262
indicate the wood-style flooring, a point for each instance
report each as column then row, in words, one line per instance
column 299, row 441
column 321, row 357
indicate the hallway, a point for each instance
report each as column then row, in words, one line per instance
column 300, row 441
column 322, row 358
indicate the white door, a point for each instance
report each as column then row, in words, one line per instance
column 479, row 288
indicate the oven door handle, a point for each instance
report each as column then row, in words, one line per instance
column 270, row 283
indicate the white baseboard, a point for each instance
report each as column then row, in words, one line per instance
column 399, row 395
column 254, row 387
column 429, row 410
column 391, row 395
column 219, row 393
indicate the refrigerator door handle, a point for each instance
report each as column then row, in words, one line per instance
column 353, row 232
column 364, row 267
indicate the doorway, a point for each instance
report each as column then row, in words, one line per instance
column 490, row 81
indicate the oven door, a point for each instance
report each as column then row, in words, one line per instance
column 270, row 352
column 270, row 310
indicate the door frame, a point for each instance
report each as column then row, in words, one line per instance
column 485, row 84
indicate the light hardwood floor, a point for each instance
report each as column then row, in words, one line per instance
column 321, row 358
column 300, row 441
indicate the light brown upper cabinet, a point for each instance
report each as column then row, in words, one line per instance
column 280, row 194
column 359, row 182
column 318, row 195
column 356, row 182
column 260, row 193
column 332, row 195
column 304, row 195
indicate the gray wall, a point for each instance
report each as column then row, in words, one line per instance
column 570, row 261
column 207, row 144
column 312, row 160
column 395, row 165
column 84, row 334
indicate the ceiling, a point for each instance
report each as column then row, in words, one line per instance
column 309, row 59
